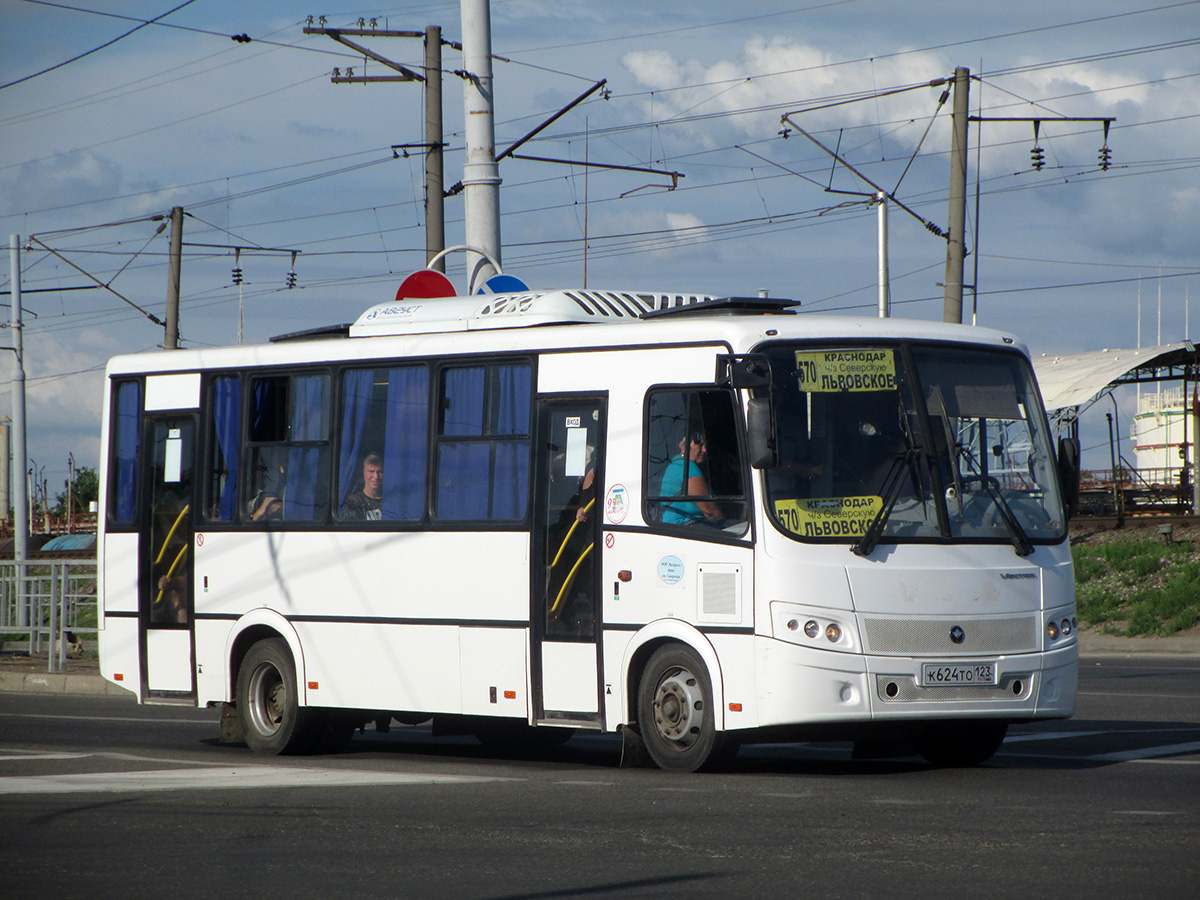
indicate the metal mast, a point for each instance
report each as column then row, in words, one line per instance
column 481, row 175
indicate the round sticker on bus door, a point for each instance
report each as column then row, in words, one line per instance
column 616, row 504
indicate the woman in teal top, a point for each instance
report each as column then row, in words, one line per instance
column 685, row 478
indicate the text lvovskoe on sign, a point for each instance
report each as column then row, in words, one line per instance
column 837, row 371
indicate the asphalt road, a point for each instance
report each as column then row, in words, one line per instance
column 101, row 798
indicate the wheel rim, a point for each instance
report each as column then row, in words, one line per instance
column 267, row 698
column 679, row 708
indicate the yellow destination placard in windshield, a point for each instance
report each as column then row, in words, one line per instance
column 839, row 371
column 828, row 516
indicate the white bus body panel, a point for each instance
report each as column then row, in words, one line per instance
column 172, row 392
column 386, row 641
column 120, row 660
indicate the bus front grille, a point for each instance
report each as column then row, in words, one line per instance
column 929, row 636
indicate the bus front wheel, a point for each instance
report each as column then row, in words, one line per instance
column 273, row 722
column 675, row 711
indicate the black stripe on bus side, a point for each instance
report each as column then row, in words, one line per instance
column 703, row 629
column 377, row 620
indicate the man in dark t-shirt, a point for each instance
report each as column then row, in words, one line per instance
column 367, row 504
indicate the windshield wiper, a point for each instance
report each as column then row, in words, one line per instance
column 1020, row 539
column 901, row 467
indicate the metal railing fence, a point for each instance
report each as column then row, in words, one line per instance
column 42, row 600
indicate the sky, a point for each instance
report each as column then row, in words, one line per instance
column 106, row 123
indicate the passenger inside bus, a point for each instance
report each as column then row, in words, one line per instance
column 367, row 504
column 267, row 504
column 685, row 477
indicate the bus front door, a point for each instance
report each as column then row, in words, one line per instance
column 566, row 561
column 165, row 583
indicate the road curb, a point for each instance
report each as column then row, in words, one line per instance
column 59, row 683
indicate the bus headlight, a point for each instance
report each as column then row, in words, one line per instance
column 833, row 631
column 811, row 628
column 1052, row 630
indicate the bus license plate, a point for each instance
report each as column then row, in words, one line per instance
column 959, row 674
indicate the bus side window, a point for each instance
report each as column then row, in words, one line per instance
column 385, row 424
column 288, row 471
column 693, row 464
column 224, row 431
column 483, row 440
column 126, row 429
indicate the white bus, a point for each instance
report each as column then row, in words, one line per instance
column 701, row 522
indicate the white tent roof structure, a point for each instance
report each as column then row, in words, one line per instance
column 1073, row 379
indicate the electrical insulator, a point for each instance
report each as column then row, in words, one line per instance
column 1038, row 158
column 291, row 280
column 237, row 275
column 1105, row 158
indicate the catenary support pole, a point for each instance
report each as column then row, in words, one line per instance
column 171, row 340
column 885, row 307
column 956, row 245
column 19, row 463
column 481, row 175
column 435, row 198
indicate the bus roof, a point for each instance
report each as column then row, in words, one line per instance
column 697, row 320
column 523, row 310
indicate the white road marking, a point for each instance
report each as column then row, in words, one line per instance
column 1131, row 695
column 221, row 778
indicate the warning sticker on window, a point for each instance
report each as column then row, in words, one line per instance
column 839, row 371
column 828, row 516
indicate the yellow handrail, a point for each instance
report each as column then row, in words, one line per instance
column 170, row 534
column 571, row 577
column 171, row 571
column 570, row 531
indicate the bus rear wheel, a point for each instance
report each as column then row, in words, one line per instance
column 675, row 711
column 961, row 744
column 273, row 722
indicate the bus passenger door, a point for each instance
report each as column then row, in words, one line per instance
column 567, row 545
column 165, row 584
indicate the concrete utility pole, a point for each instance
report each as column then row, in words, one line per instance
column 20, row 488
column 435, row 197
column 171, row 341
column 481, row 175
column 956, row 245
column 5, row 467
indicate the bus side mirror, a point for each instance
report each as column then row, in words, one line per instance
column 1068, row 473
column 760, row 433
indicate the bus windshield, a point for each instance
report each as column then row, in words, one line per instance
column 915, row 441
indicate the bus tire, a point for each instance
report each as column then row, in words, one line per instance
column 273, row 722
column 961, row 744
column 676, row 713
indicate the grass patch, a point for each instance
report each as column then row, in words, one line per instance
column 1138, row 586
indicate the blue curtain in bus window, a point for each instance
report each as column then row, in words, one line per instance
column 356, row 406
column 406, row 444
column 511, row 484
column 510, row 481
column 128, row 411
column 464, row 402
column 304, row 498
column 512, row 412
column 308, row 408
column 227, row 408
column 463, row 482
